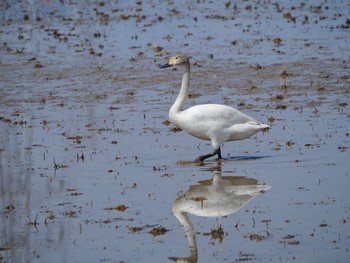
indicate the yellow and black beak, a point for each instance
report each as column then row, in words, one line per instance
column 167, row 65
column 170, row 63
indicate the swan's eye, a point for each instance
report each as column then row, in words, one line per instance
column 177, row 58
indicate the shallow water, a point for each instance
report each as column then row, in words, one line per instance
column 90, row 169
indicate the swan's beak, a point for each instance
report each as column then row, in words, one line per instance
column 167, row 65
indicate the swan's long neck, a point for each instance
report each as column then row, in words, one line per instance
column 181, row 98
column 189, row 231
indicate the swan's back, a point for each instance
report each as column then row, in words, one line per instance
column 218, row 112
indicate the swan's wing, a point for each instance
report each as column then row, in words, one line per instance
column 213, row 113
column 217, row 123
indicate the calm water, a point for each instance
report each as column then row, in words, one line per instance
column 91, row 171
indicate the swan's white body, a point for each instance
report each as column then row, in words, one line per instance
column 214, row 122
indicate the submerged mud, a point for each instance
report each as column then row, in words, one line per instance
column 91, row 170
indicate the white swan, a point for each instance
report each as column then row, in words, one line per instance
column 213, row 122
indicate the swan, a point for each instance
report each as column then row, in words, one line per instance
column 212, row 122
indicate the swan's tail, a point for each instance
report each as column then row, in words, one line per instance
column 257, row 126
column 262, row 126
column 243, row 131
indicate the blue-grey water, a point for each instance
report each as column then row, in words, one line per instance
column 90, row 169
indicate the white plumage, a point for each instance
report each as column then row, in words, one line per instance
column 213, row 122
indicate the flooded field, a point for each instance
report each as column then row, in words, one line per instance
column 91, row 170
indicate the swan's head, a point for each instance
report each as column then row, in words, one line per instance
column 177, row 60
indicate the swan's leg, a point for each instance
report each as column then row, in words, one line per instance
column 206, row 156
column 219, row 153
column 203, row 157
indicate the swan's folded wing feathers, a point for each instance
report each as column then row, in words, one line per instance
column 226, row 115
column 215, row 122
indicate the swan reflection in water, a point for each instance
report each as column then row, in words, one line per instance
column 218, row 197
